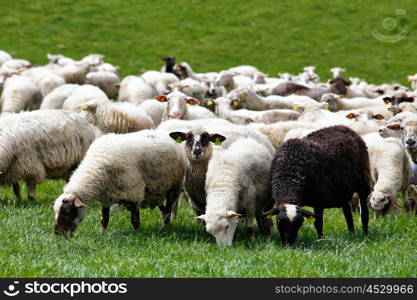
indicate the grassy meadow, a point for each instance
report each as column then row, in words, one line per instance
column 275, row 36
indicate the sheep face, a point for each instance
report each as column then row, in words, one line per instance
column 395, row 100
column 177, row 104
column 223, row 78
column 290, row 218
column 410, row 138
column 69, row 211
column 380, row 201
column 197, row 146
column 390, row 130
column 222, row 225
column 332, row 100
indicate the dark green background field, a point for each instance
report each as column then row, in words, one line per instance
column 275, row 36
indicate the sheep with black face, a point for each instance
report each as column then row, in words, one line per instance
column 321, row 170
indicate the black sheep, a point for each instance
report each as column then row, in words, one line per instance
column 321, row 170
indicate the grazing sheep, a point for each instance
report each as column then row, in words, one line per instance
column 84, row 94
column 135, row 89
column 337, row 86
column 199, row 150
column 56, row 98
column 336, row 102
column 231, row 81
column 251, row 100
column 140, row 169
column 390, row 170
column 243, row 116
column 237, row 185
column 106, row 81
column 112, row 117
column 76, row 72
column 177, row 107
column 39, row 145
column 20, row 93
column 321, row 170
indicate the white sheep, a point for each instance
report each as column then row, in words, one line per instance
column 45, row 79
column 337, row 72
column 192, row 88
column 160, row 80
column 136, row 89
column 56, row 98
column 39, row 145
column 112, row 117
column 106, row 81
column 140, row 169
column 243, row 116
column 245, row 70
column 237, row 184
column 337, row 102
column 177, row 107
column 253, row 101
column 153, row 109
column 20, row 93
column 15, row 64
column 231, row 81
column 389, row 166
column 82, row 94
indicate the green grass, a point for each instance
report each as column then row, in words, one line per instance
column 29, row 248
column 275, row 36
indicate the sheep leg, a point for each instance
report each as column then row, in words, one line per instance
column 318, row 223
column 31, row 191
column 105, row 216
column 363, row 196
column 249, row 227
column 171, row 206
column 134, row 215
column 16, row 190
column 264, row 224
column 347, row 211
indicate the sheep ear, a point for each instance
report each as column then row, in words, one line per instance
column 351, row 116
column 217, row 139
column 178, row 136
column 271, row 212
column 378, row 117
column 117, row 85
column 161, row 98
column 232, row 215
column 91, row 105
column 192, row 101
column 410, row 99
column 308, row 215
column 79, row 203
column 394, row 127
column 202, row 217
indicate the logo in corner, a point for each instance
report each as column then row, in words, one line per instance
column 12, row 291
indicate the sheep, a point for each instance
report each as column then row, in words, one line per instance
column 60, row 60
column 184, row 70
column 411, row 78
column 45, row 79
column 83, row 94
column 168, row 67
column 106, row 81
column 192, row 88
column 337, row 86
column 251, row 100
column 177, row 107
column 199, row 150
column 161, row 81
column 231, row 81
column 389, row 169
column 243, row 116
column 4, row 56
column 136, row 89
column 41, row 145
column 56, row 98
column 238, row 184
column 249, row 71
column 336, row 102
column 20, row 93
column 112, row 117
column 321, row 170
column 76, row 72
column 153, row 109
column 139, row 169
column 16, row 64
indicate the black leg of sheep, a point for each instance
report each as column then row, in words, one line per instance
column 318, row 223
column 347, row 211
column 134, row 215
column 105, row 216
column 16, row 191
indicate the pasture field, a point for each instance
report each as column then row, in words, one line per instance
column 275, row 36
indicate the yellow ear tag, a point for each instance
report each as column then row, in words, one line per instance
column 295, row 106
column 178, row 140
column 242, row 96
column 326, row 107
column 311, row 219
column 209, row 102
column 269, row 216
column 217, row 142
column 235, row 102
column 84, row 107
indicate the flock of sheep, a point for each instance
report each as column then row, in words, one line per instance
column 238, row 143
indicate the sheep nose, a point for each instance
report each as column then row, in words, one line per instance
column 410, row 142
column 176, row 114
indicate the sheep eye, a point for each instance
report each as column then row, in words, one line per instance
column 226, row 228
